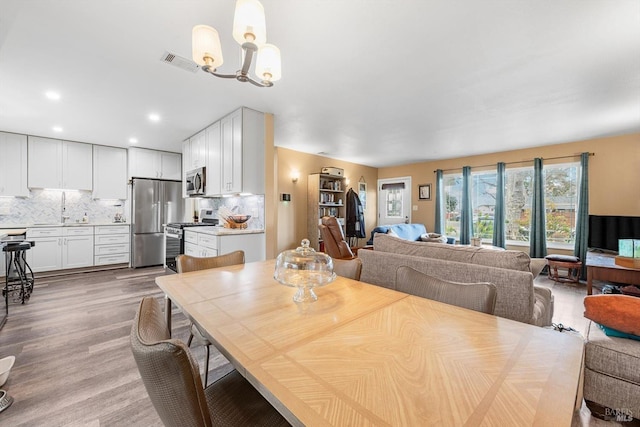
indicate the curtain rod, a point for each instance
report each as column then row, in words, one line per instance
column 520, row 161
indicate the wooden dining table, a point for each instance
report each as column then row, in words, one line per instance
column 366, row 355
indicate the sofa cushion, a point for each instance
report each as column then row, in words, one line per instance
column 620, row 312
column 512, row 260
column 615, row 357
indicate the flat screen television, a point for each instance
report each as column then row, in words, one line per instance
column 605, row 230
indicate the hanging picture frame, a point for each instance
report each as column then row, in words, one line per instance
column 424, row 192
column 362, row 194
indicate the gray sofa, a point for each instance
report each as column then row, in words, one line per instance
column 611, row 375
column 517, row 297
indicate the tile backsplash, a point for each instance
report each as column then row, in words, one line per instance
column 45, row 206
column 247, row 205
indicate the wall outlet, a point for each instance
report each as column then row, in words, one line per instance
column 415, row 207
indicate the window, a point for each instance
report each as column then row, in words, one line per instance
column 483, row 200
column 561, row 203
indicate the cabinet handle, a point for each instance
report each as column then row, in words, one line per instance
column 59, row 241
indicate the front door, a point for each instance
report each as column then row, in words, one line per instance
column 394, row 201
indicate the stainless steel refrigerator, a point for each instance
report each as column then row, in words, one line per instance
column 154, row 203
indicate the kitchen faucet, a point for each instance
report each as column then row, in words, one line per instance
column 64, row 208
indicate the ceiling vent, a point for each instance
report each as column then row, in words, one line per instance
column 180, row 62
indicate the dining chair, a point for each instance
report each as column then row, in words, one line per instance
column 333, row 238
column 186, row 263
column 350, row 268
column 474, row 296
column 171, row 377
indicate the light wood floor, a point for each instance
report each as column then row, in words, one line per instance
column 74, row 365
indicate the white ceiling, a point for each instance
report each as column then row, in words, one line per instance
column 376, row 82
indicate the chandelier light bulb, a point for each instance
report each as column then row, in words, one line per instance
column 206, row 46
column 268, row 66
column 249, row 23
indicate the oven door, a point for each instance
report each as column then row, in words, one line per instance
column 174, row 246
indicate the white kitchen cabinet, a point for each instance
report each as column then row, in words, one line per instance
column 111, row 244
column 13, row 165
column 213, row 139
column 208, row 245
column 77, row 247
column 109, row 172
column 145, row 163
column 53, row 163
column 186, row 165
column 46, row 254
column 197, row 150
column 58, row 248
column 170, row 165
column 234, row 154
column 231, row 166
column 194, row 155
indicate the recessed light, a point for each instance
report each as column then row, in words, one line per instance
column 154, row 117
column 133, row 140
column 57, row 129
column 54, row 96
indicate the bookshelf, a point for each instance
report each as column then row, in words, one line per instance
column 325, row 197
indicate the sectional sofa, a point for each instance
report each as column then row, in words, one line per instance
column 511, row 271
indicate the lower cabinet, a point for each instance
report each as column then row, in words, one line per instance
column 58, row 248
column 111, row 244
column 202, row 244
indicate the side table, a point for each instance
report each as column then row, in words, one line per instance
column 602, row 266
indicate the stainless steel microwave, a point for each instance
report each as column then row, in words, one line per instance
column 195, row 182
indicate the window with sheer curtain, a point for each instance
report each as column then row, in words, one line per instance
column 561, row 203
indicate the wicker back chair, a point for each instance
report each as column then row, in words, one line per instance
column 170, row 375
column 474, row 296
column 186, row 263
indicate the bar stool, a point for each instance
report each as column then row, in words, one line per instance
column 18, row 274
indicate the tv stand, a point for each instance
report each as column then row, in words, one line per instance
column 602, row 266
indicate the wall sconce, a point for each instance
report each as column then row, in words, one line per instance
column 294, row 176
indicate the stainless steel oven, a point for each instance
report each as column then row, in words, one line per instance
column 174, row 238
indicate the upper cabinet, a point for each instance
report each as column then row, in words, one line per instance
column 145, row 163
column 59, row 164
column 234, row 153
column 109, row 172
column 231, row 166
column 13, row 165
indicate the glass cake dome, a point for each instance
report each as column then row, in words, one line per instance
column 305, row 269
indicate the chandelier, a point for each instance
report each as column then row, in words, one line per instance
column 249, row 30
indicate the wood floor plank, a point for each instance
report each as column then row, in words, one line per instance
column 74, row 364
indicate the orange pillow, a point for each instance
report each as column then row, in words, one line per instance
column 620, row 312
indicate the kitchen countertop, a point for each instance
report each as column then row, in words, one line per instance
column 222, row 231
column 68, row 224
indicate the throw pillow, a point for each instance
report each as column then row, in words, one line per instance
column 433, row 238
column 619, row 312
column 610, row 332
